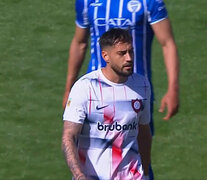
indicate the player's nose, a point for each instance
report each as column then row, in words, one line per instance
column 129, row 57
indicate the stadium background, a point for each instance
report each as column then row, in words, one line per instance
column 34, row 41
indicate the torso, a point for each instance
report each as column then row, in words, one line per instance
column 108, row 143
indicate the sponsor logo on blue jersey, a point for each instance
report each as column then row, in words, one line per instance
column 117, row 22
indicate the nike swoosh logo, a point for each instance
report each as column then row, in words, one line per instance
column 100, row 107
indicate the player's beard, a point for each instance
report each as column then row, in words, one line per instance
column 121, row 71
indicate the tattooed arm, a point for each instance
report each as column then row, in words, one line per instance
column 70, row 133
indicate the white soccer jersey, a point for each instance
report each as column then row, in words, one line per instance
column 110, row 114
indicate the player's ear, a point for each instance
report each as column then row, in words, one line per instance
column 105, row 56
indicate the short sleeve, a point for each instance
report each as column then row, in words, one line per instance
column 81, row 8
column 146, row 113
column 156, row 11
column 76, row 107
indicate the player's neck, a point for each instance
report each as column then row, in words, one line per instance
column 113, row 77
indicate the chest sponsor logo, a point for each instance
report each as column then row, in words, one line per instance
column 116, row 126
column 137, row 105
column 116, row 22
column 134, row 6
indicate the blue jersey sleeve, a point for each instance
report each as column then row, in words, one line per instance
column 81, row 8
column 156, row 11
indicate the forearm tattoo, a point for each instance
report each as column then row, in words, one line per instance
column 70, row 133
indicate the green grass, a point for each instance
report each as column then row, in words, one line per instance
column 179, row 147
column 34, row 41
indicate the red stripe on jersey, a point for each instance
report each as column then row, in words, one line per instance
column 108, row 117
column 114, row 100
column 117, row 153
column 134, row 171
column 109, row 112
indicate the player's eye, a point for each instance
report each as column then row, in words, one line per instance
column 122, row 53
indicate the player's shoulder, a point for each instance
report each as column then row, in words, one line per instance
column 84, row 2
column 90, row 75
column 79, row 1
column 154, row 2
column 153, row 5
column 83, row 83
column 87, row 78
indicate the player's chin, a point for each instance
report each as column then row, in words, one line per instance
column 128, row 72
column 128, row 69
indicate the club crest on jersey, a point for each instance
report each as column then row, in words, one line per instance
column 134, row 6
column 137, row 105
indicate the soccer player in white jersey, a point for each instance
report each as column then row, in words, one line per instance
column 106, row 132
column 143, row 18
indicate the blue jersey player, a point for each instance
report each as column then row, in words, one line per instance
column 143, row 18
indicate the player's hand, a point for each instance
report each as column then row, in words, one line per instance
column 171, row 102
column 65, row 98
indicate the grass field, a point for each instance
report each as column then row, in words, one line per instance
column 34, row 41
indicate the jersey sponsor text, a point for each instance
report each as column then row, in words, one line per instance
column 116, row 126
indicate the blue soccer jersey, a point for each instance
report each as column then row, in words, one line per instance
column 135, row 15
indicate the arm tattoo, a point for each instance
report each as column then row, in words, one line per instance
column 70, row 134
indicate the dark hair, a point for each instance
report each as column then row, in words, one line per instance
column 114, row 36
